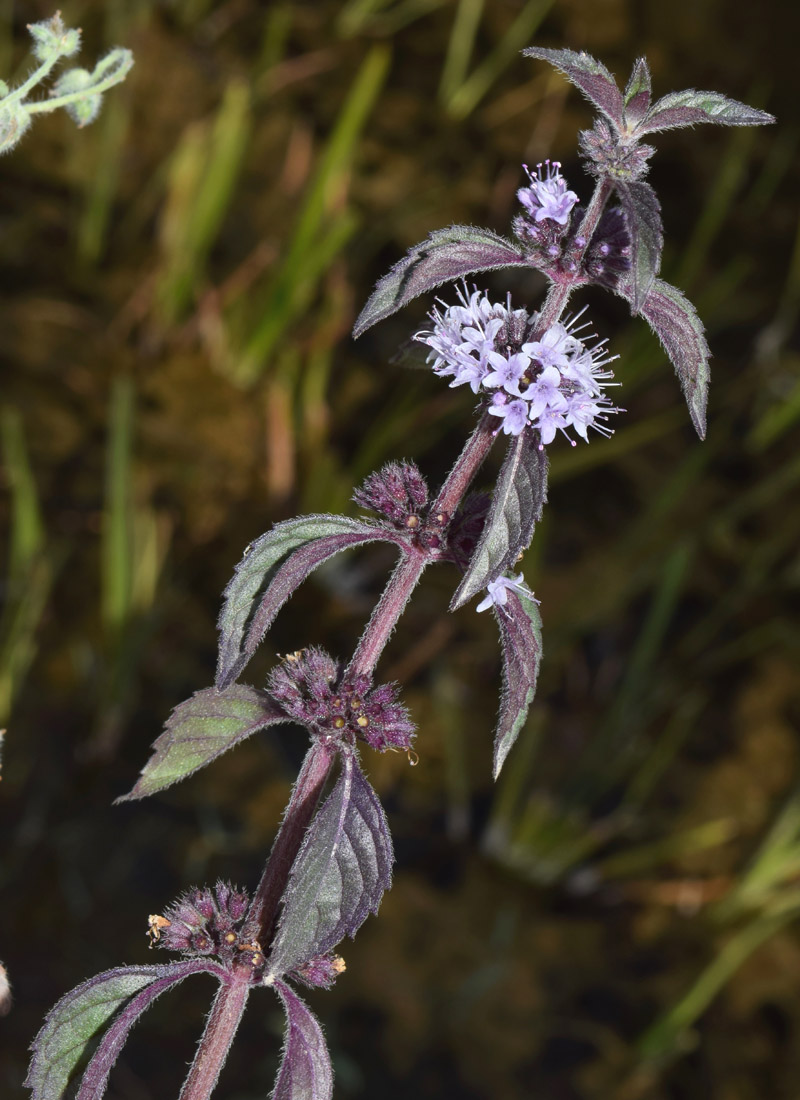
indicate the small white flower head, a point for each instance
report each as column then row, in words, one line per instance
column 547, row 380
column 498, row 589
column 547, row 196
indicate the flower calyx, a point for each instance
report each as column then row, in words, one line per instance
column 312, row 690
column 399, row 493
column 211, row 922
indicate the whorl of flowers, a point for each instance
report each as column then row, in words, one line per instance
column 549, row 381
column 312, row 689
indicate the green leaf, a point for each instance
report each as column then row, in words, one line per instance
column 200, row 730
column 72, row 1023
column 272, row 567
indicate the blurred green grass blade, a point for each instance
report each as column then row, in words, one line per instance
column 779, row 159
column 101, row 183
column 466, row 98
column 672, row 848
column 203, row 174
column 277, row 26
column 30, row 571
column 720, row 199
column 293, row 293
column 778, row 419
column 664, row 1037
column 316, row 239
column 21, row 618
column 512, row 787
column 355, row 15
column 459, row 48
column 27, row 530
column 661, row 754
column 117, row 528
column 776, row 863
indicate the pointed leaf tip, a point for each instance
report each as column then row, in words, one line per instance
column 520, row 627
column 201, row 729
column 590, row 76
column 305, row 1071
column 675, row 321
column 690, row 107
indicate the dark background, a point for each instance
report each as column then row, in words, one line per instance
column 178, row 285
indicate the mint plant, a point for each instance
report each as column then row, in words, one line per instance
column 78, row 91
column 537, row 375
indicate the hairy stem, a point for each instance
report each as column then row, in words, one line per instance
column 305, row 796
column 408, row 572
column 221, row 1026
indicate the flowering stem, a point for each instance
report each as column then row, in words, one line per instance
column 221, row 1026
column 405, row 577
column 305, row 796
column 559, row 294
column 120, row 57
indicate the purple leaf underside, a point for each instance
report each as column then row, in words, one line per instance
column 447, row 255
column 78, row 1016
column 271, row 569
column 637, row 93
column 305, row 1071
column 674, row 320
column 340, row 873
column 643, row 217
column 517, row 502
column 521, row 641
column 589, row 75
column 200, row 730
column 689, row 107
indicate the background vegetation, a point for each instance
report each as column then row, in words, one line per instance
column 617, row 917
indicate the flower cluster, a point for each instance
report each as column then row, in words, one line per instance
column 547, row 197
column 312, row 690
column 549, row 380
column 203, row 922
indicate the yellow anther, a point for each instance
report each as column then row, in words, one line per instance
column 362, row 721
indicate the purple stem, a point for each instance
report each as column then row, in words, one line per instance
column 303, row 802
column 221, row 1026
column 404, row 579
column 559, row 294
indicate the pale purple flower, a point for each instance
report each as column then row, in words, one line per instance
column 507, row 372
column 514, row 413
column 498, row 589
column 547, row 196
column 544, row 393
column 554, row 347
column 550, row 422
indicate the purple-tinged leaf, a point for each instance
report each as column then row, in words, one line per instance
column 674, row 320
column 643, row 217
column 590, row 76
column 521, row 640
column 637, row 93
column 339, row 875
column 445, row 256
column 305, row 1071
column 272, row 568
column 78, row 1016
column 517, row 502
column 688, row 108
column 200, row 730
